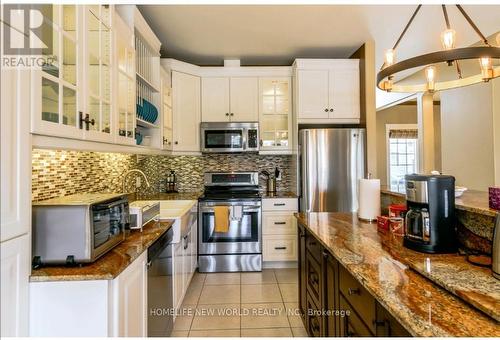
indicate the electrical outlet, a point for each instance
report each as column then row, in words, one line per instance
column 279, row 177
column 138, row 182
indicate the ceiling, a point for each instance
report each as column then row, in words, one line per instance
column 277, row 34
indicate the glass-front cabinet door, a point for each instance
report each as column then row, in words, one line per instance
column 125, row 61
column 57, row 101
column 275, row 114
column 166, row 102
column 97, row 118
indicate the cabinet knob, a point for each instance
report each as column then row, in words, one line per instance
column 176, row 142
column 280, row 248
column 227, row 114
column 165, row 140
column 326, row 110
column 232, row 114
column 331, row 110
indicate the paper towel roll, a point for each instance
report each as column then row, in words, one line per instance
column 369, row 199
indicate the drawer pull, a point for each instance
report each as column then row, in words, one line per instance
column 353, row 291
column 279, row 204
column 280, row 248
column 279, row 223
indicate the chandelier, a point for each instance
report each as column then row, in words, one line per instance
column 450, row 55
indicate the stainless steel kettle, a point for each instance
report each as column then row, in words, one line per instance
column 495, row 265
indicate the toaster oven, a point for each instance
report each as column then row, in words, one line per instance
column 78, row 228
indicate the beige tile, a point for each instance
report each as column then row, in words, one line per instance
column 264, row 315
column 179, row 334
column 260, row 293
column 286, row 275
column 198, row 278
column 184, row 318
column 266, row 276
column 225, row 316
column 267, row 332
column 292, row 311
column 215, row 333
column 289, row 292
column 220, row 294
column 299, row 332
column 222, row 279
column 192, row 295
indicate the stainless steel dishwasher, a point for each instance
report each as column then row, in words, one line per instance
column 160, row 286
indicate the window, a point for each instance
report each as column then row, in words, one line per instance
column 402, row 151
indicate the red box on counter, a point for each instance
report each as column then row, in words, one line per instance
column 383, row 223
column 494, row 198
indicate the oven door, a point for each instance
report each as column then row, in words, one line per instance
column 243, row 237
column 109, row 221
column 223, row 140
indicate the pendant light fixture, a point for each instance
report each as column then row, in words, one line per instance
column 450, row 55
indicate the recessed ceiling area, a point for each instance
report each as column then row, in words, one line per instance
column 277, row 34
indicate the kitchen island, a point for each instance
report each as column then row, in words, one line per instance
column 346, row 265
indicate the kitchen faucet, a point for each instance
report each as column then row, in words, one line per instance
column 134, row 171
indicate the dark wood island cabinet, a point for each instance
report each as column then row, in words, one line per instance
column 332, row 302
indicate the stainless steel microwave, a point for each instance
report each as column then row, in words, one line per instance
column 229, row 137
column 78, row 228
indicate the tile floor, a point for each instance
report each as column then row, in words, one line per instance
column 260, row 304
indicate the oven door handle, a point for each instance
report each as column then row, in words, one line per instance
column 245, row 209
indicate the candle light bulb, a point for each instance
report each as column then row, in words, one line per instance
column 448, row 39
column 430, row 74
column 486, row 68
column 389, row 57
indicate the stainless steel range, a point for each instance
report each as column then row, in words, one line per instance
column 230, row 227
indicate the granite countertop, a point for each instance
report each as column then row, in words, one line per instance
column 394, row 275
column 472, row 200
column 279, row 194
column 112, row 263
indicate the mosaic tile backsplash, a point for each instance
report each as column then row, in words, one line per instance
column 61, row 173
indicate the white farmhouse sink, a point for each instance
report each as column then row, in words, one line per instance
column 184, row 214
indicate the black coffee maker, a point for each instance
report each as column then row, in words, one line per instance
column 430, row 220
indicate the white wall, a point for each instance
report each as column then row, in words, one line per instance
column 496, row 127
column 467, row 135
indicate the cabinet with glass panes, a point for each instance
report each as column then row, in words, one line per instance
column 275, row 115
column 74, row 99
column 125, row 56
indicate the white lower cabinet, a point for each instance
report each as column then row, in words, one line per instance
column 185, row 263
column 92, row 308
column 130, row 300
column 15, row 270
column 279, row 229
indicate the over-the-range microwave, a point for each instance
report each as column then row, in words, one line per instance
column 229, row 137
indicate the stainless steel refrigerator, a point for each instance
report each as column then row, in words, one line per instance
column 331, row 162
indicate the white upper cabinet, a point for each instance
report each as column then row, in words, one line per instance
column 72, row 96
column 186, row 112
column 244, row 99
column 230, row 99
column 327, row 91
column 313, row 93
column 275, row 114
column 56, row 89
column 167, row 112
column 97, row 117
column 125, row 62
column 215, row 99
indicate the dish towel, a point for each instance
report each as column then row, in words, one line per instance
column 221, row 216
column 236, row 212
